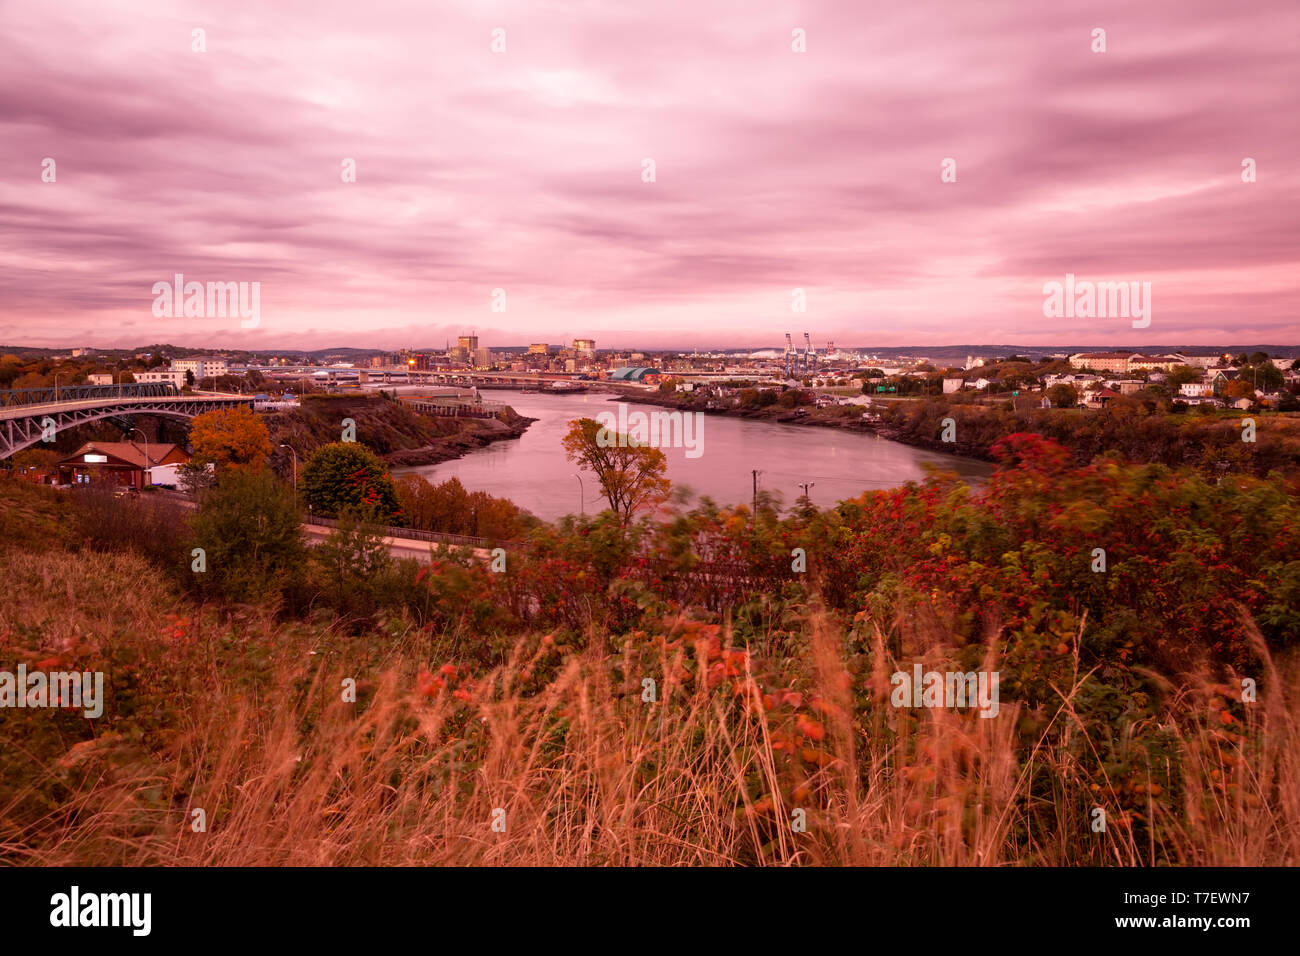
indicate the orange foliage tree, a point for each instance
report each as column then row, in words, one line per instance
column 231, row 438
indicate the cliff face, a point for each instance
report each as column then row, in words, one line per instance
column 388, row 428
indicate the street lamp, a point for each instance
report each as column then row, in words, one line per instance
column 582, row 499
column 295, row 467
column 144, row 478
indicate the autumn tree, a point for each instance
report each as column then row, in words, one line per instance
column 631, row 475
column 449, row 508
column 1238, row 389
column 233, row 438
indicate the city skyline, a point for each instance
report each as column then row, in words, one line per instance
column 523, row 170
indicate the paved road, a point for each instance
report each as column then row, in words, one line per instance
column 399, row 547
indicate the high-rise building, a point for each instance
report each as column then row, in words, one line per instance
column 584, row 345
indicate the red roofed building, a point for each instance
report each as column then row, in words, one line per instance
column 117, row 462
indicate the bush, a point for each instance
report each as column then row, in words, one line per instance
column 250, row 531
column 147, row 525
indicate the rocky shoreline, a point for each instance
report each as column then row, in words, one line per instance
column 477, row 433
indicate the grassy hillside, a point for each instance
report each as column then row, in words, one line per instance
column 771, row 709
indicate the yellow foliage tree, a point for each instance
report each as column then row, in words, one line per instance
column 632, row 476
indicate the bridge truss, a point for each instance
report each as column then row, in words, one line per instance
column 24, row 425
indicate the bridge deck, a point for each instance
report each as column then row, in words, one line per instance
column 27, row 411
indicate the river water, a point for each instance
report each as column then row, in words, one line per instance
column 533, row 472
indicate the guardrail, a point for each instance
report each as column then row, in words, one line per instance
column 414, row 534
column 47, row 395
column 448, row 409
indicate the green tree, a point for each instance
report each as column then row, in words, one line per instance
column 1268, row 375
column 1062, row 395
column 1181, row 375
column 248, row 527
column 346, row 475
column 352, row 569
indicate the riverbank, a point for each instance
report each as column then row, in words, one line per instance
column 393, row 431
column 1207, row 442
column 840, row 417
column 474, row 433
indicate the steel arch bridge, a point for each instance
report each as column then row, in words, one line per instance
column 23, row 424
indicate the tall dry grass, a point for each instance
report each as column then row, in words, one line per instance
column 258, row 736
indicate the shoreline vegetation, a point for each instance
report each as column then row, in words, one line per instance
column 1138, row 432
column 667, row 690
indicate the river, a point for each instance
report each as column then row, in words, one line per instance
column 533, row 472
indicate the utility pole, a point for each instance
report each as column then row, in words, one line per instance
column 295, row 468
column 755, row 517
column 805, row 485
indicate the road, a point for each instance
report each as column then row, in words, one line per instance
column 421, row 551
column 398, row 547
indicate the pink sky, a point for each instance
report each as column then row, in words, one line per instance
column 775, row 170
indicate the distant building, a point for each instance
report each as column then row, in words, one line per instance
column 539, row 348
column 1198, row 361
column 1102, row 361
column 100, row 378
column 1099, row 398
column 953, row 385
column 467, row 346
column 1165, row 362
column 176, row 377
column 205, row 366
column 584, row 345
column 1222, row 378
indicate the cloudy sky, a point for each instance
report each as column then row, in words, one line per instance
column 523, row 170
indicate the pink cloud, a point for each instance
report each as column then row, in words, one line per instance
column 521, row 170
